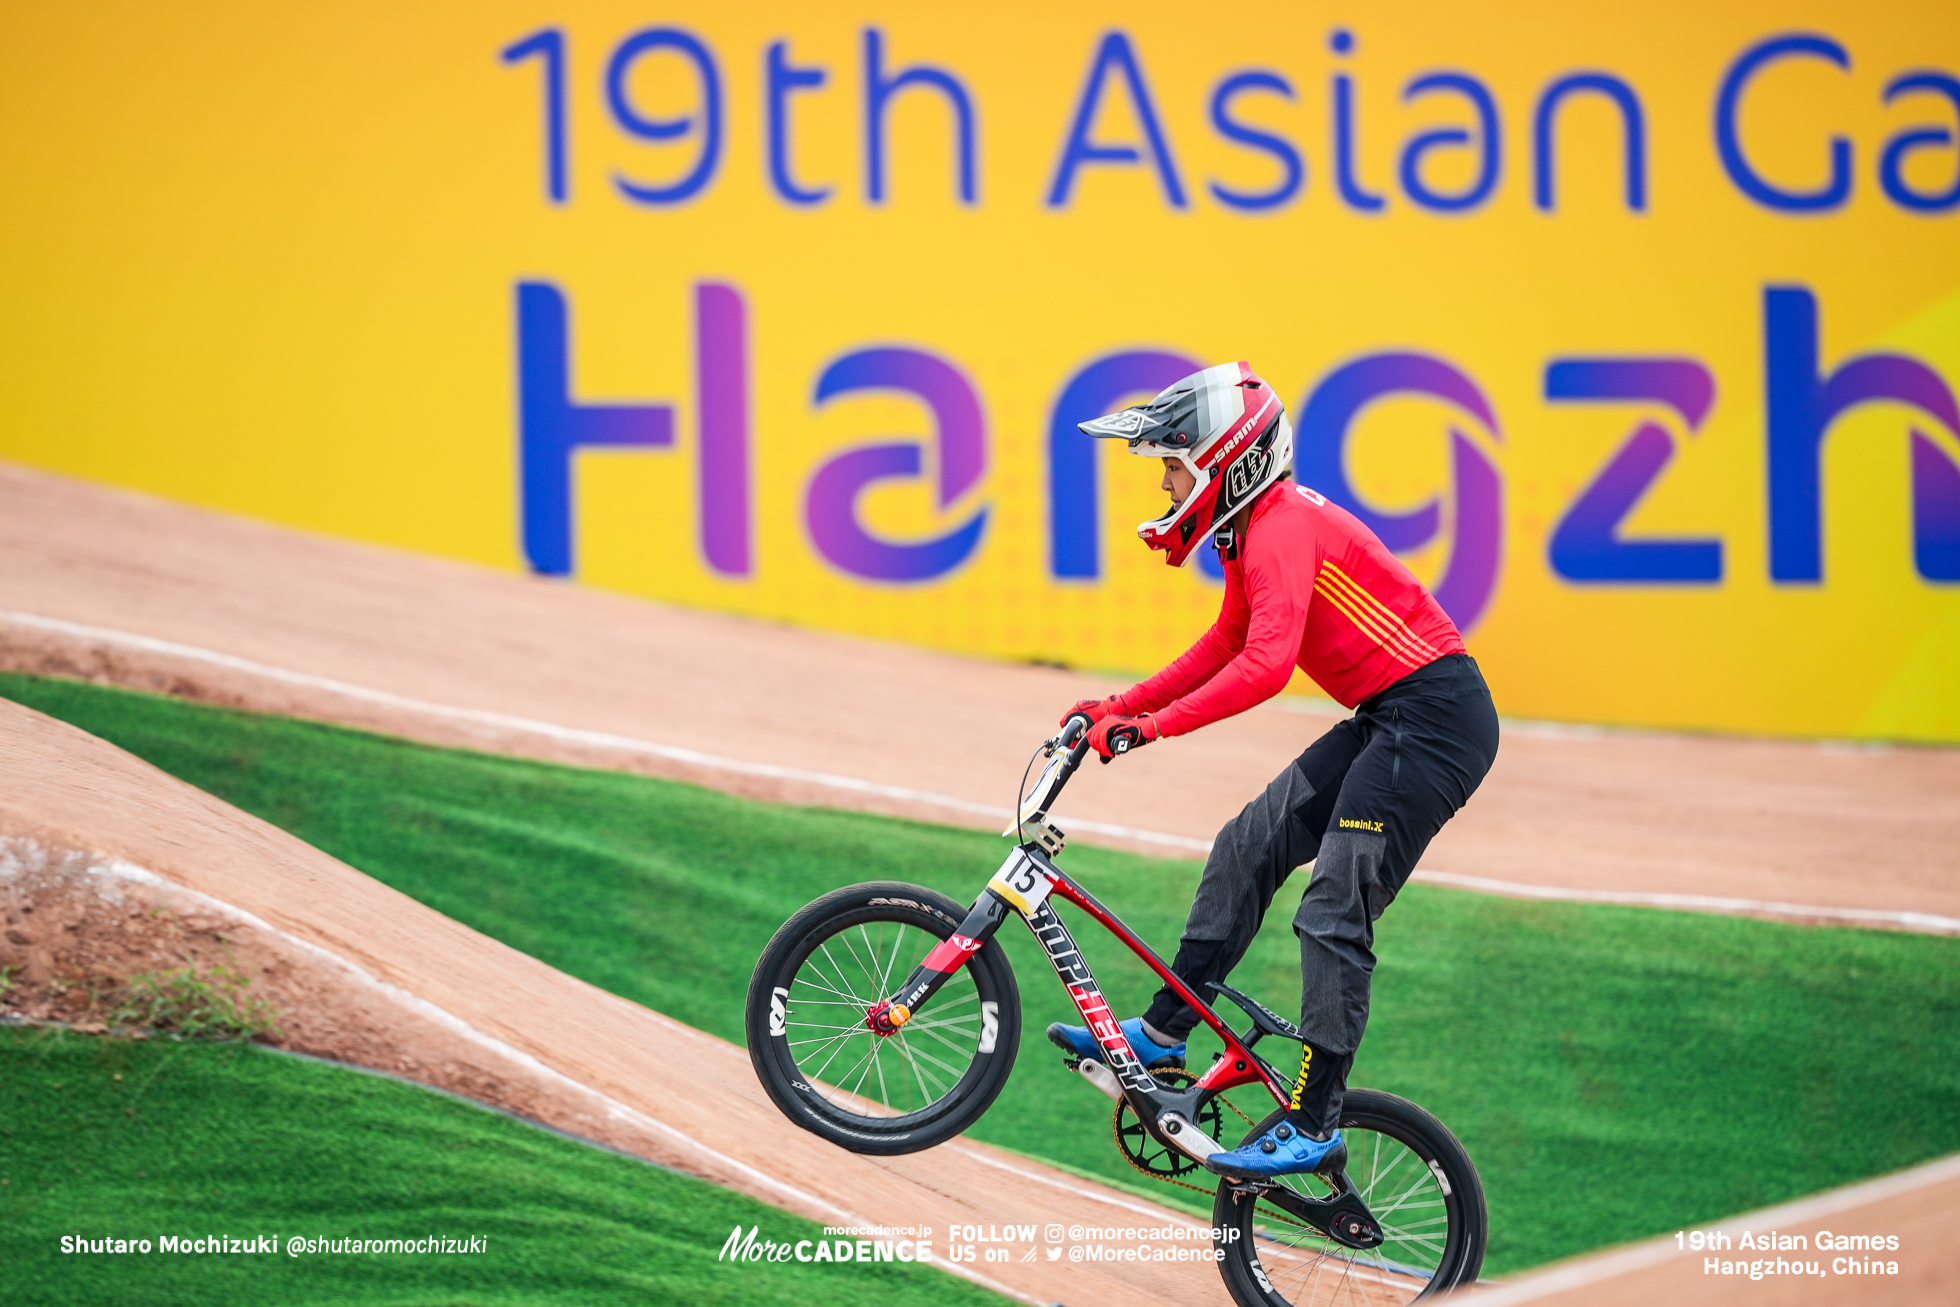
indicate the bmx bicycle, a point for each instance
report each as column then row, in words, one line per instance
column 883, row 1066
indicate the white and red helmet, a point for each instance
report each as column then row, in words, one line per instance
column 1228, row 428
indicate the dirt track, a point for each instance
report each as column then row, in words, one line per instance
column 461, row 1011
column 1841, row 827
column 1846, row 828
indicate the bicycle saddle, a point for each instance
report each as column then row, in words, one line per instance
column 1264, row 1019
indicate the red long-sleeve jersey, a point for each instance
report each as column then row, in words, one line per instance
column 1311, row 587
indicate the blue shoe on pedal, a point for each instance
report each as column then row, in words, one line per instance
column 1283, row 1150
column 1076, row 1041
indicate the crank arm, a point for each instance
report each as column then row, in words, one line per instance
column 1187, row 1137
column 1341, row 1216
column 1172, row 1129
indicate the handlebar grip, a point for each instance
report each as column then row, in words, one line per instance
column 1073, row 730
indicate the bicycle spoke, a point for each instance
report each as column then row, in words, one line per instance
column 927, row 1057
column 818, row 1025
column 962, row 1022
column 842, row 979
column 869, row 971
column 820, row 1045
column 852, row 1067
column 884, row 1094
column 927, row 1095
column 843, row 1043
column 963, row 1049
column 1377, row 1177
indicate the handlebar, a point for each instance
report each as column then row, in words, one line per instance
column 1073, row 731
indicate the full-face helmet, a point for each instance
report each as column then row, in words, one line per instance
column 1229, row 430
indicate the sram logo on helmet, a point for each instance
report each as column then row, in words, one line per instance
column 1202, row 422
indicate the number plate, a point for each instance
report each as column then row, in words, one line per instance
column 1022, row 883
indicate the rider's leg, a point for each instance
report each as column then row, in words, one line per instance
column 1431, row 738
column 1251, row 858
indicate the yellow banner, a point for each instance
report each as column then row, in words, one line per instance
column 1636, row 333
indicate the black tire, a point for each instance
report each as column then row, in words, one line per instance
column 1415, row 1178
column 829, row 1073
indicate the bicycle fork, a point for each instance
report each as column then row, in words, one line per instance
column 887, row 1015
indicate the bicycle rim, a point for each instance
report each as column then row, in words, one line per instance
column 855, row 1072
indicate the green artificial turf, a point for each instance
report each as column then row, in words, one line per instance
column 1614, row 1072
column 114, row 1139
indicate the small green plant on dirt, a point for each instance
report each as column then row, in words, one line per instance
column 215, row 1005
column 7, row 980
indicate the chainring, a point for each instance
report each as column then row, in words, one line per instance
column 1151, row 1157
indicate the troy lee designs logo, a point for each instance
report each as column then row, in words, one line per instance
column 1246, row 473
column 1250, row 470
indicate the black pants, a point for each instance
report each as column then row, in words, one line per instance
column 1361, row 804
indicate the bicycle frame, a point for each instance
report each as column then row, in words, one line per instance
column 1026, row 883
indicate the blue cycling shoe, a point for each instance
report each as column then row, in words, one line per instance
column 1283, row 1150
column 1076, row 1041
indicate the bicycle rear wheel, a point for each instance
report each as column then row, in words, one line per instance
column 834, row 1076
column 1415, row 1178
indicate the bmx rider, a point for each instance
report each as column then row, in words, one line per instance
column 1307, row 585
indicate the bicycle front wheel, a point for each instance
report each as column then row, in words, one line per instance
column 1415, row 1178
column 833, row 1075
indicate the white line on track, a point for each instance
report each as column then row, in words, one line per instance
column 572, row 735
column 1916, row 921
column 1920, row 921
column 11, row 862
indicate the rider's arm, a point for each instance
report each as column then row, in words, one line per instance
column 1280, row 562
column 1198, row 664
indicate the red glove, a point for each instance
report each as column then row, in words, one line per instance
column 1096, row 709
column 1114, row 735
